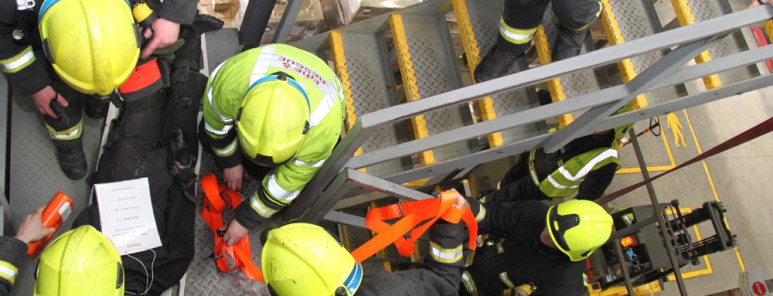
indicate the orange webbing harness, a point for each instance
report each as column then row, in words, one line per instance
column 413, row 213
column 143, row 76
column 211, row 211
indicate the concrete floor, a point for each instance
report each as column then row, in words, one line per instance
column 737, row 178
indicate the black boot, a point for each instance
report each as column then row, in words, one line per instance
column 568, row 43
column 203, row 23
column 499, row 59
column 189, row 55
column 97, row 107
column 71, row 158
column 544, row 97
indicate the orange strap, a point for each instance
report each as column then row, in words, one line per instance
column 143, row 76
column 211, row 212
column 413, row 213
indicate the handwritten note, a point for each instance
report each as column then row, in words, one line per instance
column 126, row 213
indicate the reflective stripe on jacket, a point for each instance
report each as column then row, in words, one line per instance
column 224, row 95
column 566, row 179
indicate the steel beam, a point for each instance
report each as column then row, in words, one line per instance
column 683, row 35
column 658, row 72
column 688, row 101
column 344, row 218
column 333, row 165
column 288, row 21
column 255, row 21
column 475, row 159
column 658, row 212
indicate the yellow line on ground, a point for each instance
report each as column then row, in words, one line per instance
column 711, row 182
column 409, row 82
column 660, row 168
column 657, row 168
column 471, row 49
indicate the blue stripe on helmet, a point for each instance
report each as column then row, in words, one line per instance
column 352, row 282
column 274, row 77
column 46, row 5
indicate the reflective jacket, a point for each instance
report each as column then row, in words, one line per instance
column 12, row 253
column 566, row 179
column 515, row 256
column 224, row 95
column 21, row 59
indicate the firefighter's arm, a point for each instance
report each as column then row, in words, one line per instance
column 12, row 252
column 498, row 218
column 219, row 126
column 597, row 182
column 24, row 70
column 165, row 30
column 445, row 257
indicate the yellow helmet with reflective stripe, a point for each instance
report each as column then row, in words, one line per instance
column 81, row 261
column 578, row 227
column 304, row 259
column 273, row 120
column 92, row 44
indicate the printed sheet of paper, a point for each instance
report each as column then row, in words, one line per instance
column 126, row 213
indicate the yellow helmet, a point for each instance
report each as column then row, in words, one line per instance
column 304, row 259
column 273, row 120
column 81, row 261
column 578, row 227
column 92, row 44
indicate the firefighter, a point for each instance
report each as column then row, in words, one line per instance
column 277, row 111
column 81, row 261
column 585, row 166
column 531, row 243
column 67, row 53
column 303, row 259
column 519, row 22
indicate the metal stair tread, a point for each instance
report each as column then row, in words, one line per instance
column 372, row 88
column 436, row 71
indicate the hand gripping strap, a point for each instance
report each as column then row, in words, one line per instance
column 211, row 212
column 413, row 213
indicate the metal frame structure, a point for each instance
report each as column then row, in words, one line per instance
column 256, row 21
column 338, row 179
column 317, row 198
column 6, row 222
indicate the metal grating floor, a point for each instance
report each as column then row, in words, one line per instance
column 436, row 72
column 35, row 174
column 372, row 86
column 485, row 16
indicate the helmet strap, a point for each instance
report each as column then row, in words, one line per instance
column 47, row 51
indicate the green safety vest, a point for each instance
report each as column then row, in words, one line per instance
column 231, row 80
column 566, row 179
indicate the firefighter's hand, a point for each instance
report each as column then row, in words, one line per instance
column 162, row 33
column 461, row 202
column 234, row 232
column 43, row 100
column 31, row 229
column 233, row 177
